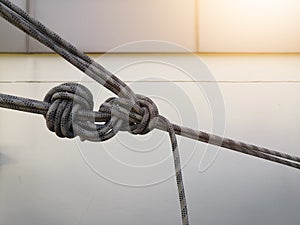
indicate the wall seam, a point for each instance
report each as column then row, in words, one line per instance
column 197, row 32
column 27, row 36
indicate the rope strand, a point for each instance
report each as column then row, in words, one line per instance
column 40, row 107
column 68, row 108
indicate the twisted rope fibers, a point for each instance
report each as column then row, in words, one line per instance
column 68, row 108
column 22, row 20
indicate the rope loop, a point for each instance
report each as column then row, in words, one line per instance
column 139, row 117
column 71, row 114
column 149, row 112
column 66, row 101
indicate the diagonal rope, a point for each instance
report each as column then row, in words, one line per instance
column 35, row 29
column 68, row 108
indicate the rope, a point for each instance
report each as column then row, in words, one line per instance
column 116, row 108
column 68, row 108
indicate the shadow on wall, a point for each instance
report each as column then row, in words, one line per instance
column 4, row 159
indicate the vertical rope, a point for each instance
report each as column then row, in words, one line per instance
column 178, row 172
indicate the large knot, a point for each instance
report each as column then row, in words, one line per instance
column 66, row 101
column 71, row 114
column 136, row 117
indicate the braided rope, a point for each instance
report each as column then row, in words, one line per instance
column 68, row 108
column 68, row 111
column 120, row 108
column 22, row 20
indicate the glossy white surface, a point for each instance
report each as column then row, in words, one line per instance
column 234, row 67
column 46, row 180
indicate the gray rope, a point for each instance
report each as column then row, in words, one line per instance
column 68, row 111
column 131, row 116
column 68, row 108
column 86, row 129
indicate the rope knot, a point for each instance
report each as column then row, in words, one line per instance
column 66, row 101
column 71, row 114
column 136, row 117
column 147, row 109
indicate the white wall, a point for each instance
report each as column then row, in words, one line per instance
column 197, row 25
column 12, row 39
column 99, row 26
column 249, row 25
column 45, row 180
